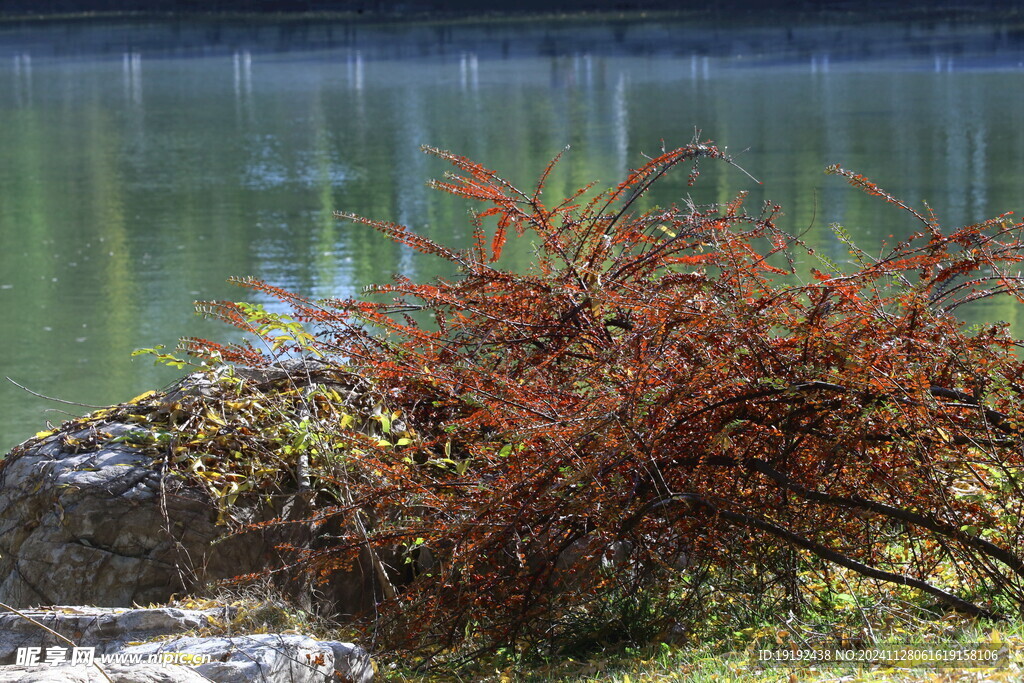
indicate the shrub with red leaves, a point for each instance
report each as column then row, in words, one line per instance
column 656, row 382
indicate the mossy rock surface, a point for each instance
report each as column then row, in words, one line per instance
column 141, row 501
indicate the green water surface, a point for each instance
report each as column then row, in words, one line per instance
column 143, row 163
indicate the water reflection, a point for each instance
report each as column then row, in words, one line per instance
column 22, row 80
column 469, row 71
column 146, row 163
column 620, row 126
column 355, row 70
column 243, row 75
column 133, row 77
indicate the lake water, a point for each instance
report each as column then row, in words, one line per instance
column 145, row 163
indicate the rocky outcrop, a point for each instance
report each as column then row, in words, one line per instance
column 88, row 519
column 107, row 511
column 100, row 512
column 110, row 637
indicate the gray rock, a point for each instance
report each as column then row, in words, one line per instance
column 117, row 673
column 268, row 657
column 105, row 629
column 80, row 505
column 115, row 635
column 90, row 516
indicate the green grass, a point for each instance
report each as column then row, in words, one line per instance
column 737, row 661
column 864, row 616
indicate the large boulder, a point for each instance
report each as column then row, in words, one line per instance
column 112, row 510
column 101, row 512
column 85, row 519
column 88, row 519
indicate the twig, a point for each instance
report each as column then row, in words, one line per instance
column 860, row 608
column 697, row 503
column 51, row 398
column 937, row 526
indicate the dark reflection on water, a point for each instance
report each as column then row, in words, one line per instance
column 765, row 42
column 144, row 163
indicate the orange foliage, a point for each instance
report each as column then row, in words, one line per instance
column 654, row 384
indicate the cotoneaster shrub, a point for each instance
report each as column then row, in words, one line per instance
column 659, row 392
